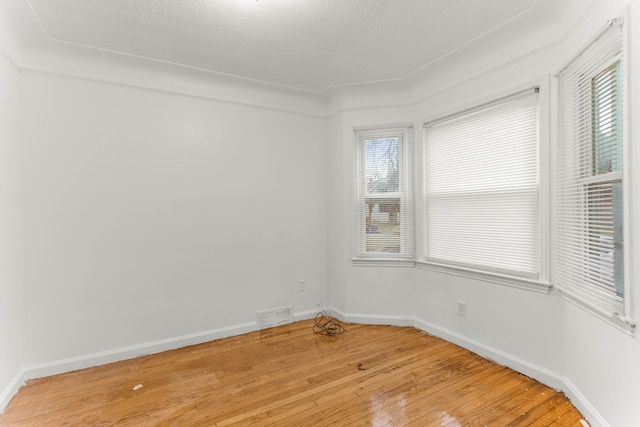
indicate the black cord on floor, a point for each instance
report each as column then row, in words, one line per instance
column 327, row 325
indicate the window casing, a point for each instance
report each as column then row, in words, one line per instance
column 384, row 194
column 481, row 188
column 590, row 187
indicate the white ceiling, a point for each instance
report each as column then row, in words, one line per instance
column 310, row 45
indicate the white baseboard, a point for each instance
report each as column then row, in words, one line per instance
column 115, row 355
column 544, row 375
column 102, row 358
column 372, row 319
column 305, row 315
column 584, row 406
column 123, row 353
column 540, row 373
column 11, row 389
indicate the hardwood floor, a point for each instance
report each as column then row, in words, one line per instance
column 289, row 376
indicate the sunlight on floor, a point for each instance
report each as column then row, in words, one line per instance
column 448, row 420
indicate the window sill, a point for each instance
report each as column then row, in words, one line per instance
column 383, row 262
column 627, row 326
column 511, row 281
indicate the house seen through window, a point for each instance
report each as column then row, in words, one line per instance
column 382, row 198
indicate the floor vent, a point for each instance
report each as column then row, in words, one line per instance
column 274, row 317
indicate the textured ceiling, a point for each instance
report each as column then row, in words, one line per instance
column 310, row 45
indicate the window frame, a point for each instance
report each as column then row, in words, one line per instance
column 622, row 320
column 405, row 195
column 539, row 283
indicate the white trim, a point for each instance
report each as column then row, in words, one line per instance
column 123, row 353
column 540, row 373
column 405, row 194
column 622, row 323
column 545, row 180
column 376, row 129
column 513, row 282
column 546, row 376
column 374, row 319
column 627, row 167
column 479, row 268
column 11, row 389
column 603, row 177
column 304, row 315
column 129, row 352
column 383, row 262
column 539, row 286
column 583, row 405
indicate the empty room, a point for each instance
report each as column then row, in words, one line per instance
column 296, row 212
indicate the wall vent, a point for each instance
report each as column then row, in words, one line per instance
column 274, row 317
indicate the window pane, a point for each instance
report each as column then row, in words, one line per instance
column 589, row 204
column 383, row 225
column 382, row 173
column 606, row 138
column 384, row 196
column 604, row 259
column 494, row 230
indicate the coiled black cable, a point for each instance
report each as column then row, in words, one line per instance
column 327, row 325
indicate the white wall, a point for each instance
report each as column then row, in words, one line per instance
column 338, row 248
column 150, row 216
column 10, row 246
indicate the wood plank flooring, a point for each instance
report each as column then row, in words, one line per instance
column 289, row 376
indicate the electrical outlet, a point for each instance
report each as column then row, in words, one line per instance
column 302, row 285
column 462, row 309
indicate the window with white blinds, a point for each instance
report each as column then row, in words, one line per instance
column 589, row 196
column 481, row 188
column 384, row 199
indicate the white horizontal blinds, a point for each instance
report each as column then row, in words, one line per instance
column 605, row 121
column 384, row 208
column 481, row 187
column 589, row 218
